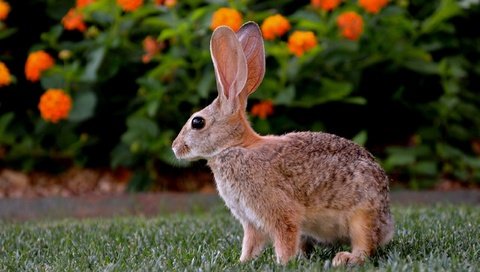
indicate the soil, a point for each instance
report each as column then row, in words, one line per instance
column 87, row 182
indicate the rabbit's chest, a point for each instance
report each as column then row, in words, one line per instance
column 237, row 200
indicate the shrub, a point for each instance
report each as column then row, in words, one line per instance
column 135, row 71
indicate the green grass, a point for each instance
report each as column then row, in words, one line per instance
column 439, row 238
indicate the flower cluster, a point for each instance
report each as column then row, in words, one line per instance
column 350, row 24
column 167, row 3
column 55, row 105
column 37, row 63
column 73, row 20
column 5, row 77
column 326, row 5
column 130, row 5
column 301, row 41
column 262, row 109
column 83, row 3
column 151, row 48
column 373, row 6
column 4, row 10
column 275, row 26
column 227, row 16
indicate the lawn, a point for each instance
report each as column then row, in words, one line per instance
column 433, row 238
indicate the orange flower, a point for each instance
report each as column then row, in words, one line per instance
column 275, row 26
column 301, row 41
column 55, row 105
column 83, row 3
column 129, row 5
column 262, row 109
column 373, row 6
column 5, row 77
column 73, row 20
column 4, row 10
column 326, row 5
column 351, row 25
column 151, row 47
column 37, row 62
column 167, row 3
column 227, row 16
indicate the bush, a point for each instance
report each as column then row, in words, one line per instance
column 396, row 74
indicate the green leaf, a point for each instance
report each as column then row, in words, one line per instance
column 167, row 34
column 155, row 23
column 198, row 13
column 292, row 69
column 56, row 9
column 421, row 66
column 95, row 59
column 285, row 96
column 140, row 181
column 5, row 120
column 446, row 10
column 473, row 162
column 361, row 138
column 53, row 79
column 6, row 32
column 357, row 100
column 428, row 168
column 206, row 83
column 141, row 128
column 330, row 90
column 121, row 156
column 83, row 106
column 399, row 157
column 152, row 107
column 53, row 35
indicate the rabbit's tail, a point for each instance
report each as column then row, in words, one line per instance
column 388, row 228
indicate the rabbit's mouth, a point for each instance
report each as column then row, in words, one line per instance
column 184, row 152
column 181, row 151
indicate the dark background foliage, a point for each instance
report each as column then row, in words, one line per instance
column 408, row 89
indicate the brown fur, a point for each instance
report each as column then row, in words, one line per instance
column 308, row 184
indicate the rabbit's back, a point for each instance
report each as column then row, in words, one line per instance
column 314, row 168
column 333, row 168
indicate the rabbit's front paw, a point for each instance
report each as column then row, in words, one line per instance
column 347, row 258
column 253, row 242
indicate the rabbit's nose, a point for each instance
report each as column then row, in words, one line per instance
column 177, row 147
column 181, row 150
column 175, row 151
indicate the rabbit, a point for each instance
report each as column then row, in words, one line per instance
column 284, row 189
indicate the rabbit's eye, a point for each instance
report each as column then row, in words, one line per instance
column 198, row 122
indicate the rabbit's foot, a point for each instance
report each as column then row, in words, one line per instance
column 347, row 258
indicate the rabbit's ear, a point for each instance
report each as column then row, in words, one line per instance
column 251, row 40
column 229, row 63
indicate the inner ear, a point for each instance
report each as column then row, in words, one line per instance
column 229, row 62
column 251, row 39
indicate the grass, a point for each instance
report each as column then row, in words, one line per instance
column 436, row 238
